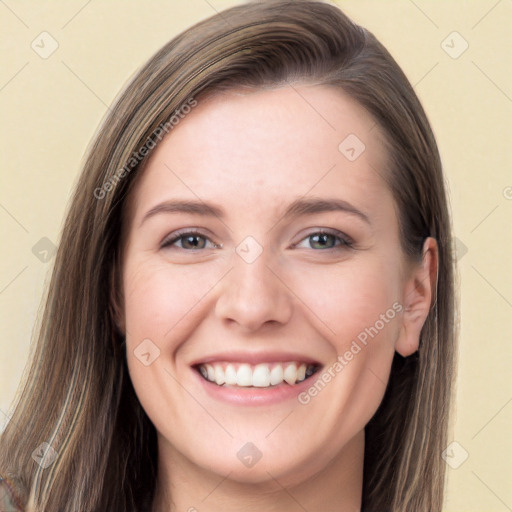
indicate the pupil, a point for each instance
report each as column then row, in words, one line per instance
column 190, row 240
column 322, row 239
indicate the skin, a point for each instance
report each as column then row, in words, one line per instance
column 253, row 153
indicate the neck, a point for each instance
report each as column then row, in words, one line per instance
column 185, row 486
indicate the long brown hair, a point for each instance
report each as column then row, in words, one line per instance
column 78, row 397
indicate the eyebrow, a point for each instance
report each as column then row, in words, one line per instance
column 299, row 207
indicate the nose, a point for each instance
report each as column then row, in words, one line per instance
column 253, row 295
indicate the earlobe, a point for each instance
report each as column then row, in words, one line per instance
column 420, row 294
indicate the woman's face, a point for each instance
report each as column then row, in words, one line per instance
column 263, row 244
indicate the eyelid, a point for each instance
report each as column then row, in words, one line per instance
column 345, row 240
column 173, row 237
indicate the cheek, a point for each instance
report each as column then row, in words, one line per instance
column 162, row 307
column 353, row 300
column 161, row 299
column 359, row 307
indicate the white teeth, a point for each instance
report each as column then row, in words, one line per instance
column 219, row 375
column 290, row 374
column 230, row 374
column 276, row 375
column 244, row 375
column 301, row 372
column 261, row 375
column 211, row 372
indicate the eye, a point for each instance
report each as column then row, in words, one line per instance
column 188, row 240
column 324, row 239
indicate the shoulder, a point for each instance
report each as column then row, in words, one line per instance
column 9, row 501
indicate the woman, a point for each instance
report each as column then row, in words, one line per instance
column 252, row 303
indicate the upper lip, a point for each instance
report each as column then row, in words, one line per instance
column 254, row 358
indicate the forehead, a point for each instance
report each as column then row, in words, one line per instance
column 258, row 150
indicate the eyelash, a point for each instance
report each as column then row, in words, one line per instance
column 181, row 234
column 345, row 241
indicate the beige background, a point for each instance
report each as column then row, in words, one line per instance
column 51, row 107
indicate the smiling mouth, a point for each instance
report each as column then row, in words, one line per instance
column 263, row 375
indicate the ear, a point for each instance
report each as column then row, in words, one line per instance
column 420, row 294
column 116, row 297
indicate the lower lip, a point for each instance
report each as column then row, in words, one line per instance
column 254, row 396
